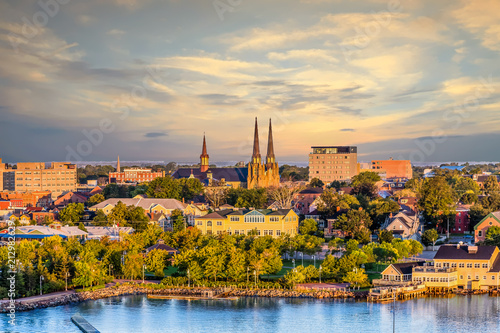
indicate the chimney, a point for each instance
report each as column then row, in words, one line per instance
column 472, row 249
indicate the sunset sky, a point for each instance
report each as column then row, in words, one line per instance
column 146, row 79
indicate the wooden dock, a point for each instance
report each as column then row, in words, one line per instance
column 388, row 294
column 83, row 324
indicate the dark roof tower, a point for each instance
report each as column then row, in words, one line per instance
column 270, row 158
column 256, row 150
column 204, row 156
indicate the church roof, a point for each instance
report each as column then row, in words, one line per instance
column 229, row 174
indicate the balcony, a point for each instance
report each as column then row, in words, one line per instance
column 434, row 270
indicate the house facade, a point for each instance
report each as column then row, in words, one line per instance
column 265, row 222
column 480, row 229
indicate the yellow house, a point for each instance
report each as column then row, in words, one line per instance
column 397, row 274
column 265, row 222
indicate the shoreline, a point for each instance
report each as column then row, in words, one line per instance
column 195, row 293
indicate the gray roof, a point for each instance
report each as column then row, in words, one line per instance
column 454, row 253
column 145, row 203
column 229, row 174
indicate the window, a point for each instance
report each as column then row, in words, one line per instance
column 485, row 265
column 453, row 264
column 484, row 277
column 461, row 277
column 480, row 233
column 468, row 277
column 477, row 265
column 469, row 265
column 236, row 232
column 493, row 277
column 270, row 232
column 219, row 222
column 477, row 277
column 209, row 223
column 461, row 265
column 219, row 232
column 200, row 223
column 235, row 219
column 278, row 232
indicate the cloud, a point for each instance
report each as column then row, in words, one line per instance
column 155, row 134
column 347, row 130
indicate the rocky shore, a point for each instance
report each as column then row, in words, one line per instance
column 137, row 289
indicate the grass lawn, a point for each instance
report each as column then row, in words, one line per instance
column 372, row 276
column 168, row 271
column 298, row 262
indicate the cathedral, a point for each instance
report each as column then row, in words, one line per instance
column 258, row 173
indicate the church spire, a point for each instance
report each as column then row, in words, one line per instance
column 118, row 164
column 204, row 156
column 270, row 146
column 256, row 149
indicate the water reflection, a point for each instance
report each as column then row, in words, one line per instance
column 478, row 313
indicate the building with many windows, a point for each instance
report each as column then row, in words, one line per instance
column 56, row 177
column 264, row 222
column 329, row 163
column 134, row 175
column 393, row 168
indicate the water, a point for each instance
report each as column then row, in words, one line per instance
column 478, row 313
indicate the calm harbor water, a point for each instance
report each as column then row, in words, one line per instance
column 479, row 313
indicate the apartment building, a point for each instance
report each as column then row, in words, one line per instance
column 265, row 222
column 330, row 163
column 56, row 177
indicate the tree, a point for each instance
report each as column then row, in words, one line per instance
column 100, row 219
column 216, row 195
column 133, row 265
column 316, row 182
column 164, row 187
column 284, row 194
column 368, row 190
column 491, row 185
column 385, row 236
column 379, row 209
column 355, row 223
column 330, row 203
column 492, row 232
column 293, row 277
column 156, row 262
column 190, row 187
column 95, row 199
column 82, row 227
column 466, row 189
column 118, row 214
column 429, row 237
column 256, row 198
column 365, row 177
column 436, row 199
column 357, row 277
column 73, row 212
column 308, row 227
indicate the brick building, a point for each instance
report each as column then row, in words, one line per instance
column 134, row 175
column 329, row 163
column 393, row 168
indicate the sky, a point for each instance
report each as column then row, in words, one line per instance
column 87, row 80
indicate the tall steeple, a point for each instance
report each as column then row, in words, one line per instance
column 270, row 146
column 204, row 156
column 256, row 149
column 118, row 164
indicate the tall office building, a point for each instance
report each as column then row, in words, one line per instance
column 329, row 163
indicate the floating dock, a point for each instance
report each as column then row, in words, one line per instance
column 83, row 324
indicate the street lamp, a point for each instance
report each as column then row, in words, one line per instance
column 293, row 262
column 143, row 267
column 189, row 281
column 302, row 255
column 314, row 258
column 41, row 279
column 248, row 268
column 255, row 275
column 320, row 269
column 110, row 267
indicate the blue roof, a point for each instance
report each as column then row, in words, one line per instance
column 31, row 236
column 452, row 167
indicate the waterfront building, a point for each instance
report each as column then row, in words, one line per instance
column 264, row 222
column 41, row 232
column 329, row 163
column 396, row 274
column 480, row 229
column 258, row 173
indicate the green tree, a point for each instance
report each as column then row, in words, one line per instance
column 365, row 177
column 308, row 227
column 492, row 232
column 118, row 214
column 82, row 227
column 190, row 187
column 95, row 199
column 100, row 219
column 256, row 198
column 73, row 212
column 133, row 265
column 385, row 236
column 358, row 277
column 491, row 185
column 429, row 237
column 156, row 262
column 379, row 210
column 467, row 190
column 436, row 199
column 330, row 203
column 355, row 223
column 164, row 187
column 316, row 182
